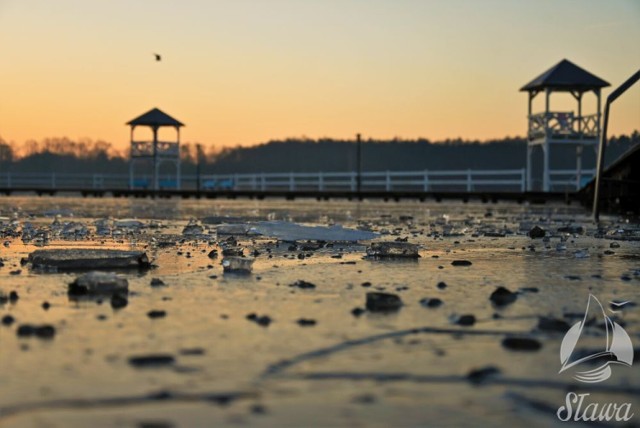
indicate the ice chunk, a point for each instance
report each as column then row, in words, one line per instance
column 129, row 224
column 237, row 264
column 581, row 254
column 74, row 229
column 102, row 227
column 98, row 283
column 393, row 250
column 88, row 259
column 286, row 231
column 193, row 228
column 229, row 219
column 383, row 302
column 233, row 229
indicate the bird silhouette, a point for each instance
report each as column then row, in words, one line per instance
column 158, row 57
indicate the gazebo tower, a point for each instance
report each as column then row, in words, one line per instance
column 562, row 128
column 156, row 151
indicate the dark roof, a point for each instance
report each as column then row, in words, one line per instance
column 155, row 117
column 565, row 76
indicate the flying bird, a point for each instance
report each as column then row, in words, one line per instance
column 158, row 57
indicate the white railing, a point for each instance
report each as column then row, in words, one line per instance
column 512, row 180
column 461, row 180
column 570, row 179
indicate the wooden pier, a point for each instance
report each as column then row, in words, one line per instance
column 437, row 196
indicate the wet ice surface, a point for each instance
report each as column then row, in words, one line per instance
column 292, row 343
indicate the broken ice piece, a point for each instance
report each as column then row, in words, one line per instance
column 571, row 228
column 233, row 229
column 290, row 232
column 465, row 320
column 503, row 297
column 193, row 228
column 237, row 264
column 98, row 283
column 383, row 302
column 581, row 254
column 393, row 250
column 128, row 224
column 481, row 375
column 152, row 360
column 537, row 232
column 88, row 259
column 521, row 344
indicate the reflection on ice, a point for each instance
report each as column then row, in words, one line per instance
column 290, row 232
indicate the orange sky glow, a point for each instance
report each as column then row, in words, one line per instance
column 242, row 72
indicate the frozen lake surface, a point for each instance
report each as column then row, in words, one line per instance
column 292, row 343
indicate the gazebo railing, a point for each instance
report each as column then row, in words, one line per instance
column 145, row 148
column 563, row 125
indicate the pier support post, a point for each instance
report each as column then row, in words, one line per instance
column 545, row 170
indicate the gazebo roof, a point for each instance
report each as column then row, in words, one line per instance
column 565, row 76
column 155, row 117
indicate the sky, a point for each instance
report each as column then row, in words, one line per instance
column 242, row 72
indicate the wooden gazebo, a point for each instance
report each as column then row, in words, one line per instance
column 569, row 127
column 154, row 151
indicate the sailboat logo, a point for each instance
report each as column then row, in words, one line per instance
column 616, row 350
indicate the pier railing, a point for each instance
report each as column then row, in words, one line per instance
column 468, row 180
column 389, row 181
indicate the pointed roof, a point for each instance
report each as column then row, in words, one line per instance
column 565, row 76
column 155, row 117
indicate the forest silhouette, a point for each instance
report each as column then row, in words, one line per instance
column 301, row 155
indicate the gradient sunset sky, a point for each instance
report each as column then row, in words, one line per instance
column 246, row 71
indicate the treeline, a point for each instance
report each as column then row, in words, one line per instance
column 303, row 155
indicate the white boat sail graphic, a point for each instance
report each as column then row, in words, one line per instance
column 616, row 350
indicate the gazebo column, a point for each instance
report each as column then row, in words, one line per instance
column 131, row 174
column 580, row 114
column 156, row 164
column 529, row 183
column 545, row 168
column 578, row 166
column 178, row 161
column 529, row 150
column 546, row 146
column 597, row 91
column 547, row 96
column 579, row 147
column 131, row 157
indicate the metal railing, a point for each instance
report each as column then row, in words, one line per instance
column 468, row 180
